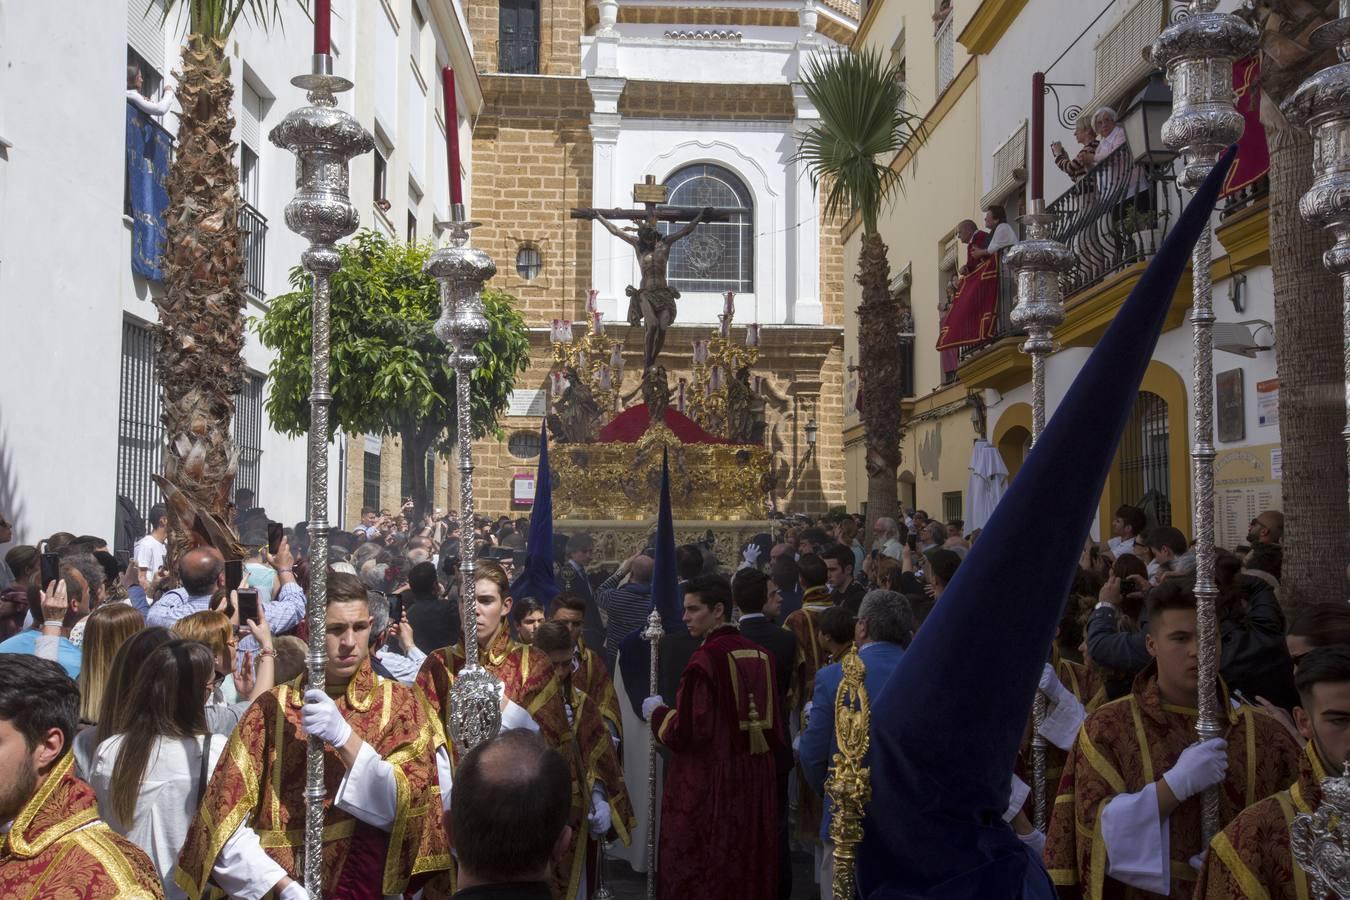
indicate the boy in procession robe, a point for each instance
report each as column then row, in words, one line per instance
column 1127, row 819
column 1251, row 857
column 532, row 698
column 595, row 751
column 591, row 677
column 383, row 835
column 811, row 658
column 718, row 836
column 54, row 844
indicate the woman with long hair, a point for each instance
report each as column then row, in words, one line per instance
column 117, row 696
column 230, row 696
column 149, row 776
column 105, row 631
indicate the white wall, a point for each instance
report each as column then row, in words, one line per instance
column 65, row 276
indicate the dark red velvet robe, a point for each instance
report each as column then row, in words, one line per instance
column 974, row 311
column 719, row 812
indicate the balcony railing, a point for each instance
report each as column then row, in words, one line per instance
column 518, row 56
column 1242, row 198
column 1115, row 215
column 253, row 237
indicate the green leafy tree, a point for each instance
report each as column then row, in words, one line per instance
column 862, row 126
column 390, row 373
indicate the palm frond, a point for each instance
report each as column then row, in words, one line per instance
column 862, row 126
column 215, row 19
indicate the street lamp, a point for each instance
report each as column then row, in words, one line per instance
column 811, row 429
column 1143, row 122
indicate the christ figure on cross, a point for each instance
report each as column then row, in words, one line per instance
column 652, row 303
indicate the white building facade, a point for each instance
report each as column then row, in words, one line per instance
column 79, row 427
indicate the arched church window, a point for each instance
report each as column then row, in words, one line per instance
column 718, row 256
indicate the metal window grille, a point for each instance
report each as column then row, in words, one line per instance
column 946, row 52
column 253, row 236
column 951, row 505
column 370, row 481
column 718, row 256
column 140, row 434
column 1145, row 469
column 247, row 431
column 524, row 444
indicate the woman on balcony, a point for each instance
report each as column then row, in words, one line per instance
column 1110, row 135
column 1086, row 157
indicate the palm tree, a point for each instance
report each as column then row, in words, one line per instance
column 1308, row 338
column 201, row 322
column 862, row 126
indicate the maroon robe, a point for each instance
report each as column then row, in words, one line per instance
column 719, row 812
column 974, row 311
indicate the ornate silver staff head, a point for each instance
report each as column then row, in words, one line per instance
column 1320, row 840
column 1038, row 261
column 1198, row 52
column 475, row 699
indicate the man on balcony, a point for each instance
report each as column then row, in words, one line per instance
column 975, row 308
column 1001, row 234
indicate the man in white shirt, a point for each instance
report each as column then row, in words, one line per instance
column 151, row 549
column 1127, row 526
column 1001, row 234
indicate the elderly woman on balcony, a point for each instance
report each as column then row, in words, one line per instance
column 1078, row 165
column 1109, row 133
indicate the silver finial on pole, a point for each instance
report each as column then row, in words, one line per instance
column 475, row 707
column 324, row 139
column 1038, row 261
column 652, row 634
column 1198, row 52
column 1320, row 840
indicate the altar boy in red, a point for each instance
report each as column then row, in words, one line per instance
column 719, row 813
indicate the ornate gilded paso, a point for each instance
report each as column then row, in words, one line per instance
column 849, row 785
column 609, row 481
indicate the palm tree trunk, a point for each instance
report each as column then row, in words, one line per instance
column 1308, row 351
column 415, row 444
column 200, row 314
column 879, row 358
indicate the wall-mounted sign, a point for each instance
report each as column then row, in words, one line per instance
column 1228, row 396
column 1268, row 402
column 522, row 490
column 526, row 403
column 1246, row 483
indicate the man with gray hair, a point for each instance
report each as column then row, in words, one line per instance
column 886, row 537
column 884, row 628
column 393, row 653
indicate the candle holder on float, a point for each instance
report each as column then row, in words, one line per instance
column 594, row 357
column 716, row 360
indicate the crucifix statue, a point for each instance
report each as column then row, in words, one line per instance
column 652, row 304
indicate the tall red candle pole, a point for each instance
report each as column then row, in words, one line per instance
column 452, row 144
column 1037, row 139
column 323, row 27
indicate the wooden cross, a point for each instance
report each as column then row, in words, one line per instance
column 652, row 195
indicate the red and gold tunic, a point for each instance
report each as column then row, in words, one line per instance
column 719, row 810
column 811, row 653
column 527, row 674
column 592, row 679
column 1128, row 744
column 260, row 782
column 58, row 847
column 1251, row 858
column 1084, row 682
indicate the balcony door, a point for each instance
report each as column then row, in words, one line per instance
column 518, row 36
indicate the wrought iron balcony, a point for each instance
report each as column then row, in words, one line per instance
column 253, row 238
column 518, row 56
column 1114, row 216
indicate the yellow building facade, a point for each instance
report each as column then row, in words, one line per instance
column 940, row 180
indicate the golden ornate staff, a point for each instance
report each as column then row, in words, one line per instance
column 849, row 786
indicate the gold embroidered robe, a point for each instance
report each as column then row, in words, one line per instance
column 260, row 781
column 1128, row 744
column 1251, row 858
column 527, row 675
column 58, row 847
column 593, row 678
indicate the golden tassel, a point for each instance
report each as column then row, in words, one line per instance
column 757, row 742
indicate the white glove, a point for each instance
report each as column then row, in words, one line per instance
column 1200, row 766
column 321, row 718
column 294, row 891
column 1051, row 686
column 1035, row 841
column 751, row 554
column 599, row 817
column 649, row 706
